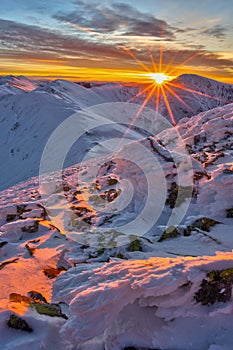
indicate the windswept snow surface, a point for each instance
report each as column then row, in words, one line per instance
column 145, row 304
column 120, row 287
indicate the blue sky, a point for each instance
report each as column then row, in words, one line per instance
column 80, row 33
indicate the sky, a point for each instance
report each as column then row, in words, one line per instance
column 116, row 40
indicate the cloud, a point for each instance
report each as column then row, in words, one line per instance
column 21, row 40
column 117, row 18
column 33, row 44
column 217, row 31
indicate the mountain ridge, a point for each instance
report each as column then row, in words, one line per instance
column 28, row 118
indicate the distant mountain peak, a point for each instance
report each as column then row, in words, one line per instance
column 18, row 82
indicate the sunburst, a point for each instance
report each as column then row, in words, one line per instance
column 161, row 83
column 159, row 78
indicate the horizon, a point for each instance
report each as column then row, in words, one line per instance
column 116, row 41
column 134, row 82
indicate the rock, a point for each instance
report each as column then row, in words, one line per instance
column 218, row 287
column 36, row 296
column 112, row 181
column 66, row 188
column 31, row 250
column 170, row 232
column 52, row 272
column 178, row 194
column 18, row 298
column 18, row 323
column 100, row 251
column 3, row 243
column 230, row 213
column 120, row 256
column 10, row 217
column 110, row 195
column 31, row 228
column 135, row 245
column 21, row 209
column 203, row 224
column 53, row 310
column 2, row 265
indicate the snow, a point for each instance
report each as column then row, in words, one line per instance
column 30, row 110
column 147, row 303
column 15, row 85
column 119, row 284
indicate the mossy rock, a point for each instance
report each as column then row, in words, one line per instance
column 31, row 228
column 170, row 232
column 100, row 251
column 230, row 213
column 18, row 323
column 218, row 287
column 53, row 310
column 135, row 245
column 203, row 224
column 10, row 217
column 225, row 274
column 21, row 209
column 178, row 194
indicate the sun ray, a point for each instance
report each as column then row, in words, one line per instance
column 152, row 59
column 157, row 99
column 168, row 106
column 161, row 57
column 163, row 82
column 141, row 92
column 194, row 91
column 161, row 48
column 185, row 61
column 147, row 99
column 178, row 97
column 136, row 59
column 170, row 62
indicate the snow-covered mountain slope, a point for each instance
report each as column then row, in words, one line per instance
column 208, row 139
column 198, row 94
column 15, row 85
column 163, row 289
column 26, row 122
column 31, row 110
column 74, row 94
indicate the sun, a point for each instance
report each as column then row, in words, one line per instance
column 159, row 78
column 161, row 84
